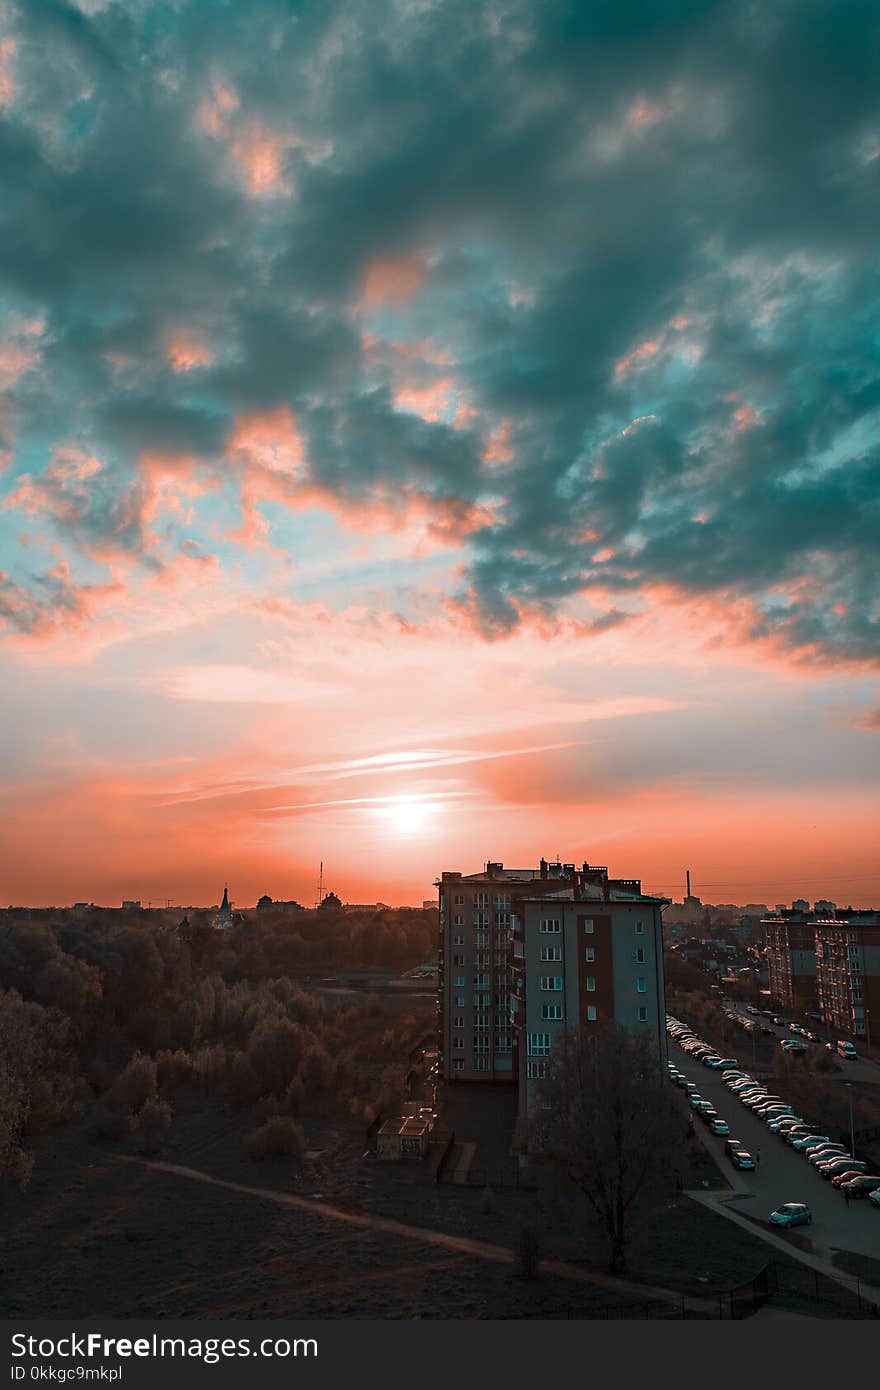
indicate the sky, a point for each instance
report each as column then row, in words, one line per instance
column 436, row 431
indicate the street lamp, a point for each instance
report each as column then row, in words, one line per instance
column 852, row 1137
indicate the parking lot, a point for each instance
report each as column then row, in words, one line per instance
column 782, row 1174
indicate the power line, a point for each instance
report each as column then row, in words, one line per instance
column 780, row 882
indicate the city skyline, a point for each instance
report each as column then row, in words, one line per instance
column 432, row 431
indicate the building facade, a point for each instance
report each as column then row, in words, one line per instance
column 528, row 955
column 477, row 915
column 791, row 958
column 581, row 956
column 848, row 974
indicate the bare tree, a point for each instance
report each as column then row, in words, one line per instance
column 607, row 1120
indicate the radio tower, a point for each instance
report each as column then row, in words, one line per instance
column 320, row 885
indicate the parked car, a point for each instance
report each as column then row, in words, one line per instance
column 793, row 1214
column 741, row 1158
column 874, row 1197
column 823, row 1152
column 862, row 1185
column 696, row 1101
column 846, row 1174
column 719, row 1126
column 781, row 1123
column 810, row 1141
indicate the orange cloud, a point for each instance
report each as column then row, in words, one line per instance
column 185, row 352
column 258, row 153
column 269, row 440
column 8, row 48
column 391, row 281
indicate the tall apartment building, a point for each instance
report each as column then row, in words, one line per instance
column 581, row 955
column 791, row 957
column 848, row 974
column 527, row 955
column 477, row 914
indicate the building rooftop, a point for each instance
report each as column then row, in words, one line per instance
column 407, row 1126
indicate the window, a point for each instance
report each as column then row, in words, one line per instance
column 591, row 1013
column 502, row 1042
column 550, row 925
column 481, row 919
column 643, row 1013
column 459, row 1001
column 458, row 1064
column 588, row 925
column 640, row 927
column 459, row 981
column 536, row 1071
column 458, row 1044
column 481, row 1064
column 551, row 1011
column 589, row 954
column 481, row 1042
column 591, row 983
column 539, row 1044
column 458, row 960
column 640, row 955
column 481, row 981
column 551, row 953
column 458, row 940
column 481, row 900
column 458, row 920
column 640, row 984
column 459, row 900
column 458, row 1021
column 551, row 982
column 502, row 901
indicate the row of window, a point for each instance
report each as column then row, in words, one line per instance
column 552, row 926
column 538, row 1044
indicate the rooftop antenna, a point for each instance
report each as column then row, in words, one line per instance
column 688, row 872
column 320, row 885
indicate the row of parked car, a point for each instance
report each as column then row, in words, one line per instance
column 831, row 1160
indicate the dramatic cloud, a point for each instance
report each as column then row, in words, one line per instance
column 515, row 321
column 604, row 278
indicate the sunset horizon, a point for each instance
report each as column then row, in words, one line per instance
column 425, row 452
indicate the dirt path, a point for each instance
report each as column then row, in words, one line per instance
column 463, row 1245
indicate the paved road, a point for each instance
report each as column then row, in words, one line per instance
column 864, row 1069
column 783, row 1174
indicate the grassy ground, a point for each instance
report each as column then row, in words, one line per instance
column 94, row 1236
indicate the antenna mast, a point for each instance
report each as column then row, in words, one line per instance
column 320, row 885
column 688, row 872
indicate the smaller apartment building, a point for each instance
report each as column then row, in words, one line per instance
column 848, row 974
column 582, row 954
column 791, row 958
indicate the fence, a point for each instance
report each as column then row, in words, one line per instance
column 508, row 1176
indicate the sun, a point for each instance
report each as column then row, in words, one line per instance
column 408, row 815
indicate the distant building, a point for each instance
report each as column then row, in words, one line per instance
column 428, row 904
column 224, row 916
column 823, row 908
column 800, row 905
column 848, row 973
column 329, row 903
column 791, row 958
column 131, row 904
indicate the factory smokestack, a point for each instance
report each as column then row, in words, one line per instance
column 688, row 872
